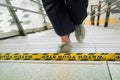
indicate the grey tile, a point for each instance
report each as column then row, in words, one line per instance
column 44, row 40
column 94, row 35
column 107, row 50
column 16, row 41
column 12, row 50
column 83, row 50
column 115, row 70
column 83, row 45
column 42, row 46
column 62, row 71
column 106, row 41
column 40, row 51
column 13, row 46
column 107, row 45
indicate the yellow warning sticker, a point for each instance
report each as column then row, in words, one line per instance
column 61, row 56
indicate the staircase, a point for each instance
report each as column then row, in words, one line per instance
column 98, row 39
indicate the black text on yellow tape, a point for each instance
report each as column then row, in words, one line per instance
column 61, row 56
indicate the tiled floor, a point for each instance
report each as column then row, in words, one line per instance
column 46, row 70
column 115, row 70
column 97, row 39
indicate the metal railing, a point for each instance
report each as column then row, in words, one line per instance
column 12, row 10
column 98, row 10
column 14, row 7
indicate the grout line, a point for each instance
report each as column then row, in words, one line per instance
column 95, row 47
column 109, row 70
column 52, row 62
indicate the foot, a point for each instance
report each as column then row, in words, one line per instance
column 80, row 33
column 66, row 46
column 65, row 39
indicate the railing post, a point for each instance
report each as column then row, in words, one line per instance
column 14, row 16
column 107, row 16
column 92, row 15
column 99, row 9
column 42, row 11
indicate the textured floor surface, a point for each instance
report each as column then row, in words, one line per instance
column 98, row 39
column 61, row 70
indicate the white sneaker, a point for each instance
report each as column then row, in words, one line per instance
column 80, row 33
column 64, row 48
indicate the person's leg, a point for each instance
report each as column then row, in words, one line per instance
column 78, row 12
column 59, row 17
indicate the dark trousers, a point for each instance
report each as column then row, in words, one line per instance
column 65, row 14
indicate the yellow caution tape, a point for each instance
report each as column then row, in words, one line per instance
column 61, row 56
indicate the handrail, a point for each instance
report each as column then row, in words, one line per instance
column 100, row 11
column 104, row 10
column 12, row 10
column 10, row 6
column 34, row 1
column 37, row 12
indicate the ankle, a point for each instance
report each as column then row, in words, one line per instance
column 65, row 39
